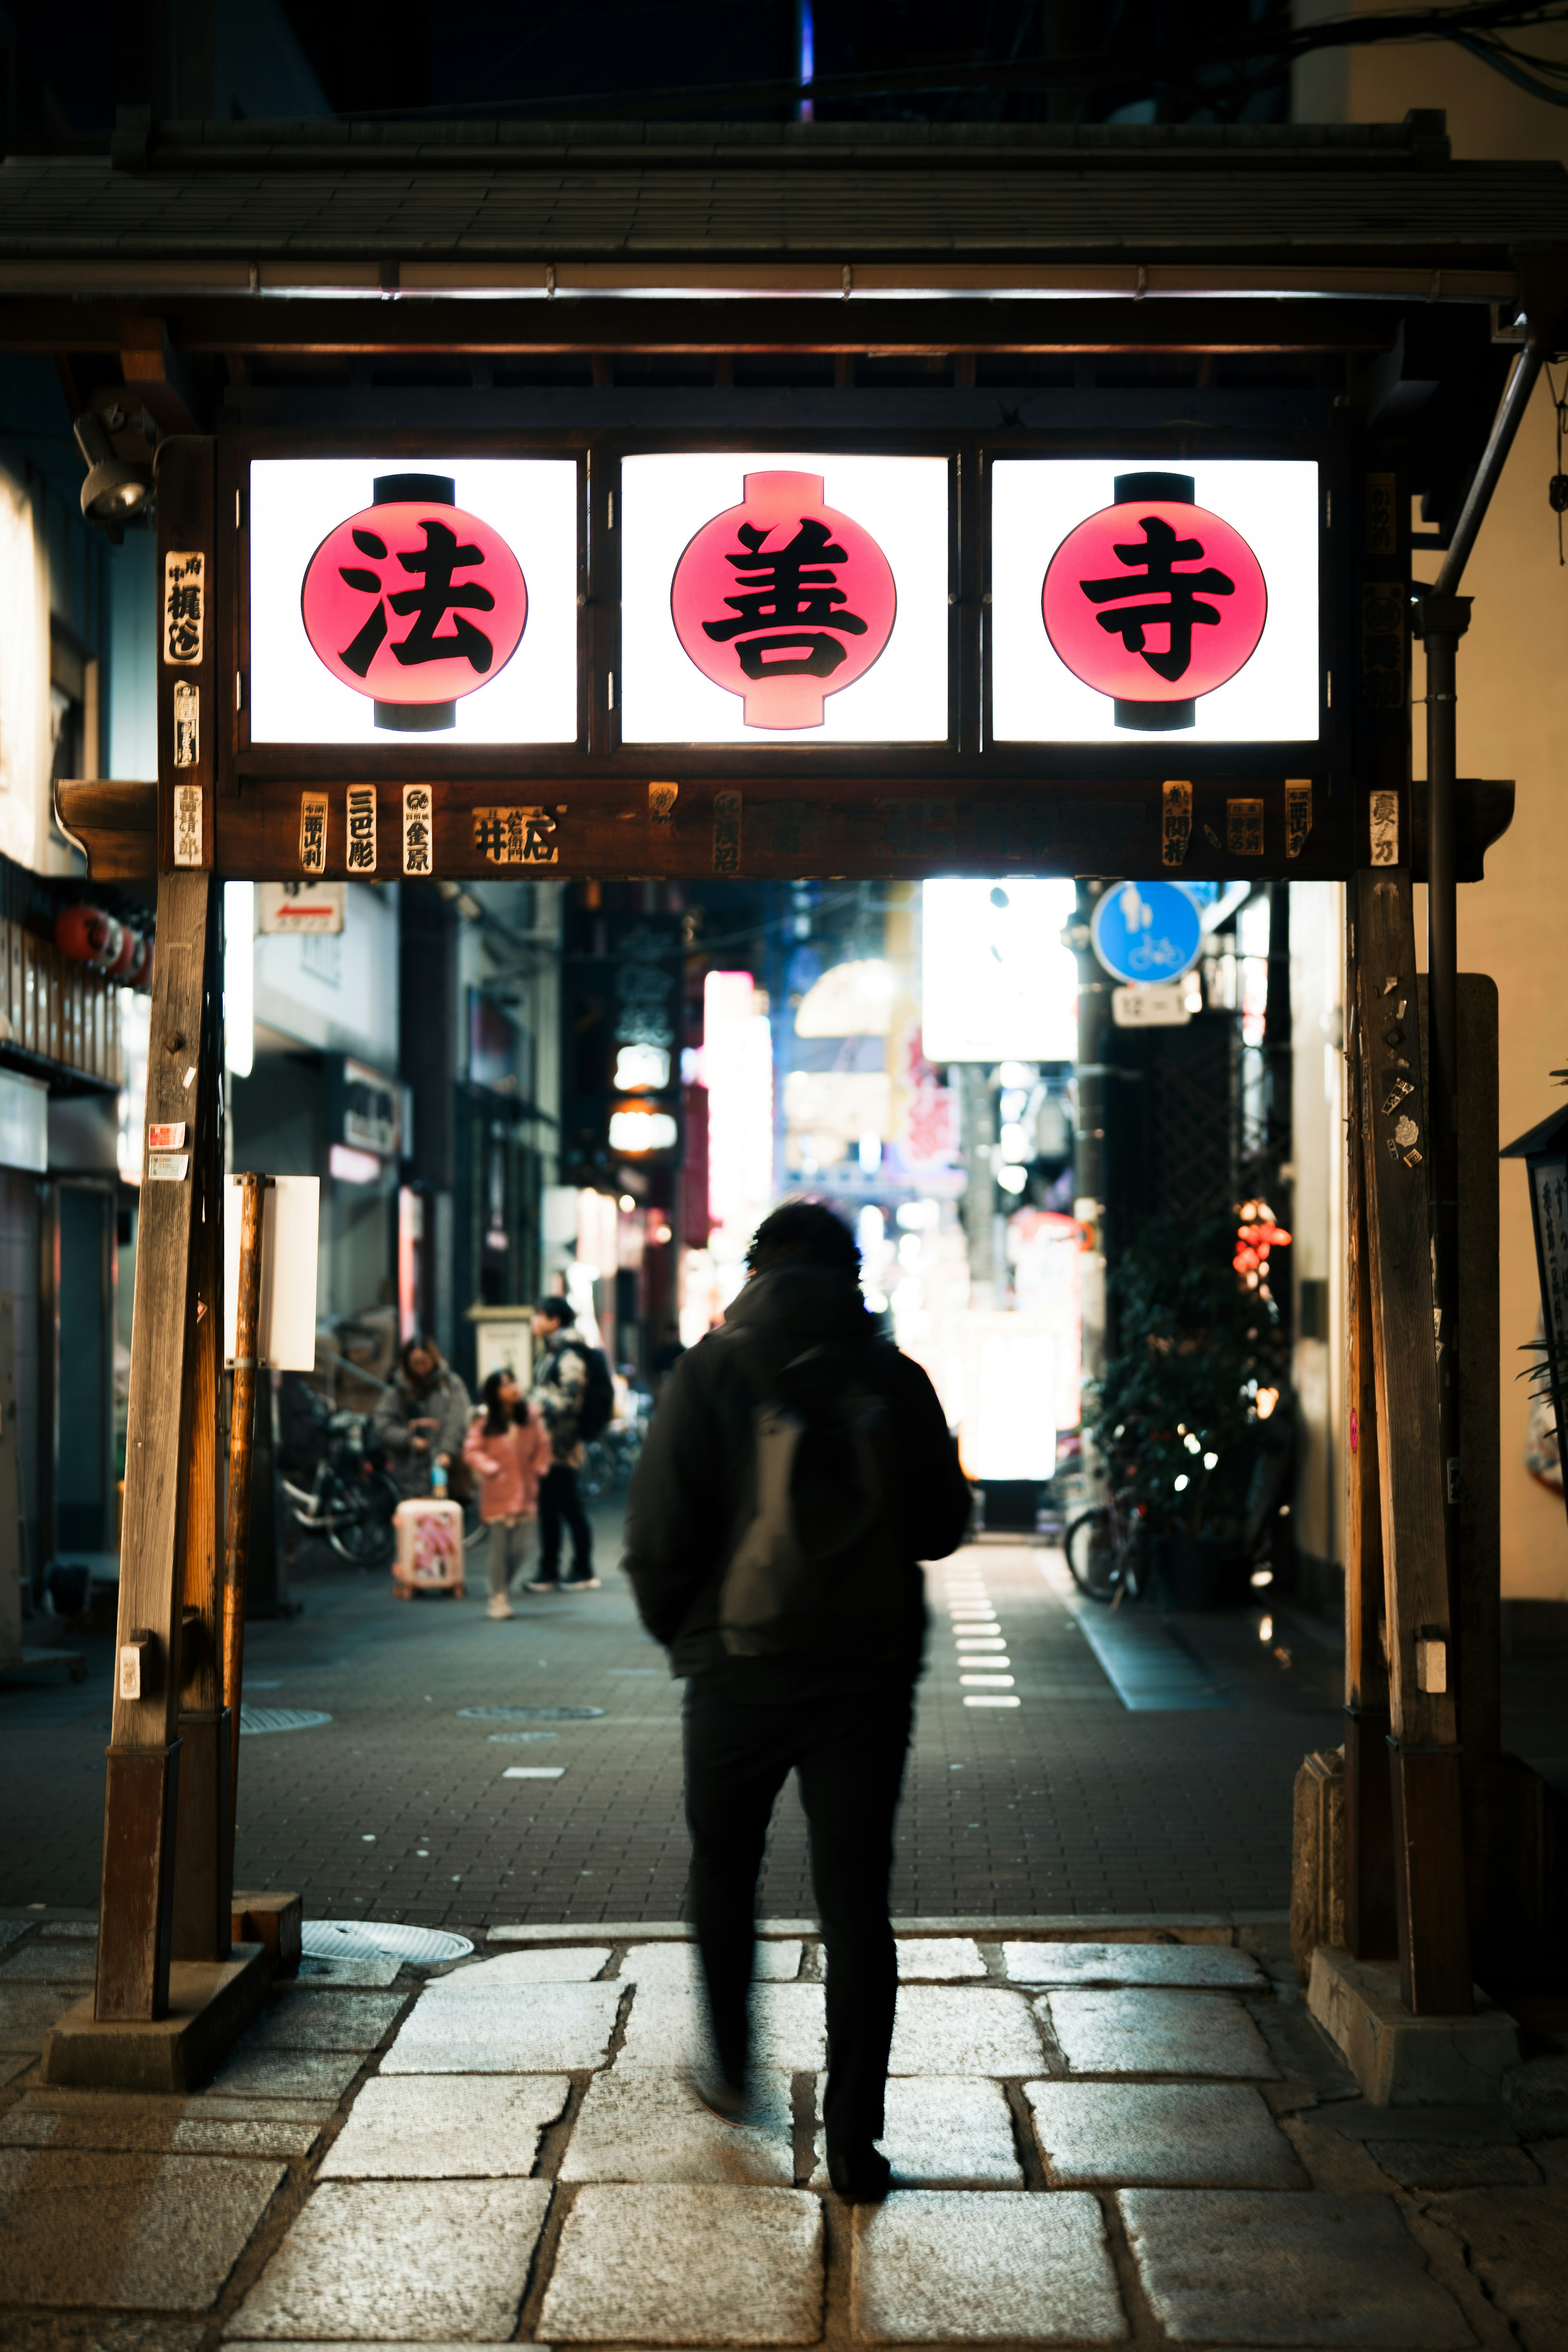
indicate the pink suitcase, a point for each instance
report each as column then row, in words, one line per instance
column 430, row 1557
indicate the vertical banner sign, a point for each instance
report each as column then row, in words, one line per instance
column 417, row 823
column 184, row 607
column 187, row 825
column 313, row 832
column 1297, row 815
column 1244, row 828
column 361, row 856
column 1175, row 824
column 1385, row 829
column 187, row 723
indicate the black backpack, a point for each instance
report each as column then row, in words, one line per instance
column 817, row 1565
column 598, row 1405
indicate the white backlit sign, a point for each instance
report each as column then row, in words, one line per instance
column 1184, row 602
column 433, row 598
column 642, row 1130
column 783, row 598
column 996, row 983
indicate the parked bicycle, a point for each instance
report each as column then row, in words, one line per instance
column 1109, row 1549
column 351, row 1497
column 609, row 1461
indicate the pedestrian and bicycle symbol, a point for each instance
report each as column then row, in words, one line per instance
column 1146, row 931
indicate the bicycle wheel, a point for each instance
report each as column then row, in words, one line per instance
column 364, row 1533
column 1093, row 1556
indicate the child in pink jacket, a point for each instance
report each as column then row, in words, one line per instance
column 509, row 1451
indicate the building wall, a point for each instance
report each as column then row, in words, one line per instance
column 1513, row 721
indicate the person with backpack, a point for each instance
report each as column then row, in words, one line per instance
column 797, row 1471
column 509, row 1449
column 573, row 1396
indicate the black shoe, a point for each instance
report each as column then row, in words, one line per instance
column 731, row 2102
column 861, row 2176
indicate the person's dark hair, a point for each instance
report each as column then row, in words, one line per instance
column 420, row 1346
column 499, row 1417
column 556, row 1309
column 804, row 1232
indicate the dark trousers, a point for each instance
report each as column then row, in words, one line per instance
column 848, row 1754
column 558, row 1500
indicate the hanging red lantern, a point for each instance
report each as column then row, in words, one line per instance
column 415, row 603
column 87, row 935
column 783, row 599
column 1155, row 600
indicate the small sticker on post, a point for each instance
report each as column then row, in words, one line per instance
column 313, row 832
column 134, row 1678
column 361, row 856
column 187, row 723
column 1384, row 825
column 1431, row 1665
column 661, row 799
column 417, row 825
column 168, row 1166
column 185, row 606
column 168, row 1137
column 726, row 833
column 1244, row 828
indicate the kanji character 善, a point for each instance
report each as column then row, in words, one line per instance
column 1174, row 602
column 789, row 593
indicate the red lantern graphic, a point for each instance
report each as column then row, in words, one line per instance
column 415, row 603
column 1155, row 600
column 783, row 599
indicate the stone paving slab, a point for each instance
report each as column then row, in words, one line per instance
column 1218, row 1966
column 157, row 2133
column 1188, row 2135
column 1158, row 2033
column 445, row 2127
column 942, row 2132
column 273, row 2074
column 1516, row 2241
column 14, row 2063
column 516, row 2030
column 1436, row 2164
column 939, row 1959
column 385, row 2259
column 963, row 2030
column 125, row 2232
column 1245, row 2267
column 640, row 2125
column 51, row 1963
column 572, row 1964
column 938, row 2266
column 323, row 2020
column 679, row 1964
column 667, row 2028
column 688, row 2266
column 27, row 2011
column 364, row 1972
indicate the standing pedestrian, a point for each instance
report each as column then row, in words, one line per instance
column 422, row 1417
column 508, row 1448
column 561, row 1373
column 797, row 1471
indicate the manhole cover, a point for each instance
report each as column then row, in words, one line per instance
column 368, row 1940
column 279, row 1718
column 536, row 1714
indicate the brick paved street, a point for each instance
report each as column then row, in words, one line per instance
column 1068, row 1801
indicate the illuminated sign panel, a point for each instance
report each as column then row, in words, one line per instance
column 386, row 602
column 996, row 983
column 1131, row 598
column 783, row 599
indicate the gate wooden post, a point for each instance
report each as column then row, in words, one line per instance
column 1369, row 1908
column 1424, row 1745
column 141, row 1794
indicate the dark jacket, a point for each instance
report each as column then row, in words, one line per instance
column 446, row 1403
column 689, row 1489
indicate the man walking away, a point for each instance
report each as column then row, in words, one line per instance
column 797, row 1471
column 560, row 1397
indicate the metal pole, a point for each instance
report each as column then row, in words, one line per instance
column 242, row 1421
column 1494, row 457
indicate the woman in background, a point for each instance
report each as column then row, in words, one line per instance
column 509, row 1451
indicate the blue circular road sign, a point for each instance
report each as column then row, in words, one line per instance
column 1146, row 930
